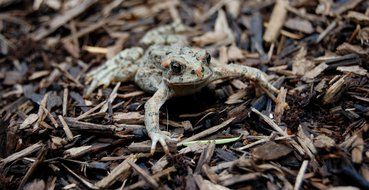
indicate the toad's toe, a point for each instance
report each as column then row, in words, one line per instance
column 161, row 138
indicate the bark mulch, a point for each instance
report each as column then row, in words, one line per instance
column 231, row 135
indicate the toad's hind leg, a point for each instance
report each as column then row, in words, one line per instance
column 167, row 35
column 121, row 67
column 256, row 75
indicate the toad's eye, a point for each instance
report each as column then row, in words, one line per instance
column 207, row 58
column 175, row 67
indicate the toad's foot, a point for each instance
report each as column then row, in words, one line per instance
column 152, row 108
column 253, row 74
column 161, row 137
column 121, row 67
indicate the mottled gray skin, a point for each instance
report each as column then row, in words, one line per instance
column 192, row 72
column 167, row 71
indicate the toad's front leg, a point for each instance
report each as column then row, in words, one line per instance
column 152, row 108
column 235, row 70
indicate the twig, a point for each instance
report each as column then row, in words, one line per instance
column 117, row 171
column 59, row 20
column 90, row 127
column 150, row 180
column 84, row 181
column 65, row 101
column 66, row 129
column 50, row 116
column 326, row 31
column 111, row 98
column 84, row 115
column 213, row 10
column 262, row 141
column 240, row 178
column 141, row 183
column 29, row 150
column 35, row 164
column 270, row 122
column 207, row 132
column 300, row 175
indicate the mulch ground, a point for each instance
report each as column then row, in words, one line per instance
column 313, row 135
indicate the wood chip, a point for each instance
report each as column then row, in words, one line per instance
column 315, row 72
column 32, row 118
column 346, row 6
column 299, row 25
column 205, row 157
column 357, row 150
column 281, row 105
column 128, row 118
column 66, row 129
column 358, row 17
column 270, row 122
column 222, row 34
column 207, row 131
column 123, row 167
column 300, row 175
column 240, row 178
column 270, row 151
column 323, row 141
column 353, row 69
column 276, row 21
column 334, row 91
column 326, row 31
column 301, row 65
column 59, row 20
column 29, row 150
column 150, row 180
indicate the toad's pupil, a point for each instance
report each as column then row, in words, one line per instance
column 175, row 67
column 208, row 58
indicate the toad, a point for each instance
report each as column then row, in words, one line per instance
column 168, row 68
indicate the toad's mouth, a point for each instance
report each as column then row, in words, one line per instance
column 196, row 82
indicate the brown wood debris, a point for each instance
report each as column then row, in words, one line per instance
column 312, row 134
